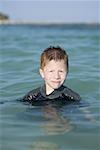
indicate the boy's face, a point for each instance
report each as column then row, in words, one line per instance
column 54, row 74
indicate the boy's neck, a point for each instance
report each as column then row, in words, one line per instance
column 49, row 90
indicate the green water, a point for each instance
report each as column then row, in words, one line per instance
column 25, row 127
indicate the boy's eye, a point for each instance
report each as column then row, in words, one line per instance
column 61, row 71
column 50, row 70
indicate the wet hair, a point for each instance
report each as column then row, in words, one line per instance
column 53, row 53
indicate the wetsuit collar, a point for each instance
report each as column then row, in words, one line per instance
column 55, row 94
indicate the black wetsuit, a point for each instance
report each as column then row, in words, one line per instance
column 63, row 94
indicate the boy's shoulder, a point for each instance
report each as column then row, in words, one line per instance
column 71, row 94
column 31, row 94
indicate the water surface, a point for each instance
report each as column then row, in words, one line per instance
column 69, row 127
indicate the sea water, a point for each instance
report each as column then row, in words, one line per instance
column 69, row 127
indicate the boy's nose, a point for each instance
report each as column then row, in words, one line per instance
column 57, row 76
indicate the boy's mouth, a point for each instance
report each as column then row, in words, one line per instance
column 56, row 81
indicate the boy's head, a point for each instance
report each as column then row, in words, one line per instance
column 54, row 67
column 53, row 53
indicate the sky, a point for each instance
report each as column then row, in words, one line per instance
column 68, row 11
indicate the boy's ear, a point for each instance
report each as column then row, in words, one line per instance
column 41, row 72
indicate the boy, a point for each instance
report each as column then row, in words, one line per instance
column 53, row 69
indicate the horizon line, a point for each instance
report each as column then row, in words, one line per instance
column 43, row 22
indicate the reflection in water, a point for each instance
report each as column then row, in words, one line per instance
column 43, row 145
column 55, row 122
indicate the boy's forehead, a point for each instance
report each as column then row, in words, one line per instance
column 55, row 62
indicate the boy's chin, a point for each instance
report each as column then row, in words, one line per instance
column 56, row 87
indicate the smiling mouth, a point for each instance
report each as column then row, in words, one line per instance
column 56, row 81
